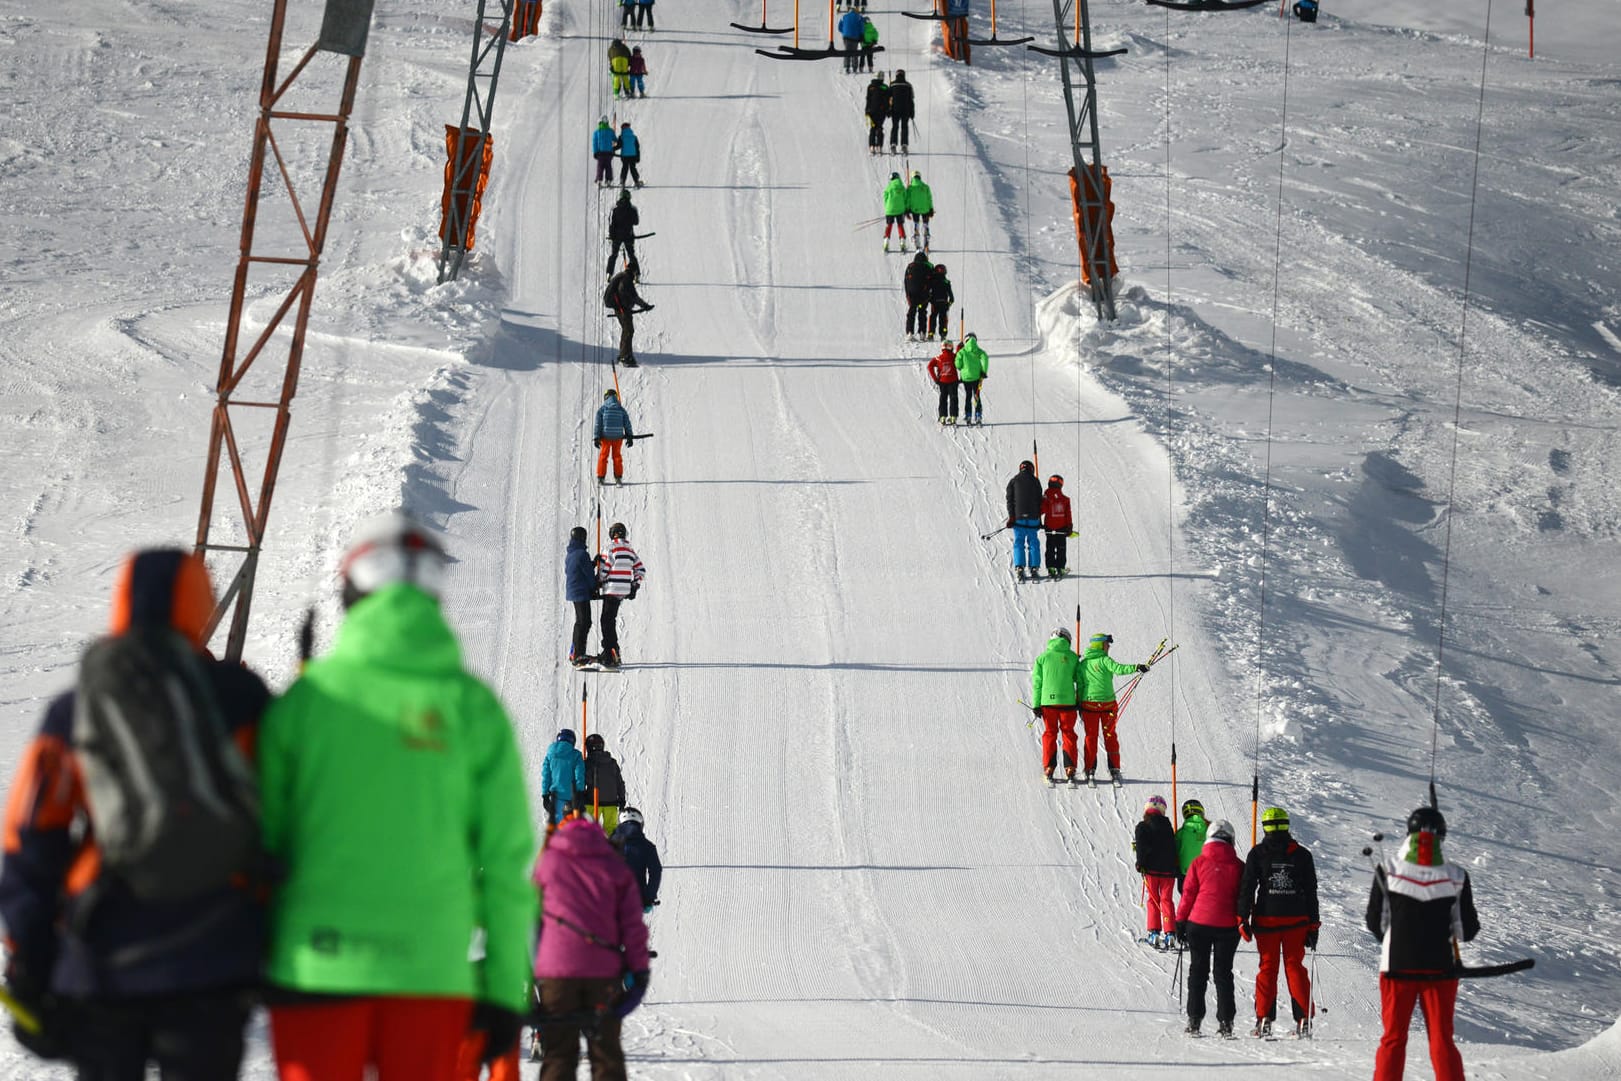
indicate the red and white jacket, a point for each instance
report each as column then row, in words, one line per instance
column 619, row 569
column 1055, row 511
column 943, row 368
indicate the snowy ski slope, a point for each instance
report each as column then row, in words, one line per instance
column 819, row 715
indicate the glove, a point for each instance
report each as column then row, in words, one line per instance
column 645, row 308
column 1010, row 523
column 635, row 988
column 647, row 910
column 1182, row 932
column 1246, row 930
column 635, row 587
column 500, row 1027
column 549, row 802
column 50, row 1039
column 630, row 441
column 1311, row 939
column 1142, row 668
column 597, row 443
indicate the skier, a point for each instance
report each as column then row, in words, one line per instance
column 1023, row 516
column 619, row 66
column 579, row 589
column 638, row 65
column 1420, row 908
column 943, row 370
column 620, row 574
column 1190, row 836
column 592, row 960
column 602, row 148
column 915, row 285
column 1098, row 708
column 869, row 38
column 622, row 234
column 895, row 208
column 850, row 27
column 604, row 783
column 644, row 14
column 1054, row 685
column 940, row 300
column 1207, row 922
column 902, row 109
column 1278, row 903
column 1056, row 520
column 396, row 813
column 919, row 203
column 625, row 302
column 611, row 429
column 181, row 994
column 973, row 366
column 630, row 152
column 562, row 778
column 642, row 855
column 1155, row 848
column 627, row 14
column 1306, row 11
column 877, row 112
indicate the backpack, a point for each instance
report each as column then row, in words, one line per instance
column 173, row 801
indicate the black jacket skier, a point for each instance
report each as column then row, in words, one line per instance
column 643, row 857
column 916, row 286
column 1280, row 883
column 1419, row 906
column 622, row 299
column 877, row 112
column 900, row 111
column 1155, row 845
column 622, row 233
column 1024, row 495
column 603, row 781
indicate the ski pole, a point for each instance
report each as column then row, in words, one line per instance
column 26, row 1019
column 992, row 533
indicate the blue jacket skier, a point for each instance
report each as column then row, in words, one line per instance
column 850, row 29
column 579, row 589
column 641, row 854
column 562, row 775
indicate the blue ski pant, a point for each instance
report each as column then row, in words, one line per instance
column 1026, row 552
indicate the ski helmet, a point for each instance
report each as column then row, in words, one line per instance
column 1055, row 481
column 947, row 347
column 970, row 337
column 577, row 533
column 894, row 176
column 1191, row 807
column 1027, row 466
column 637, row 51
column 1427, row 820
column 603, row 120
column 1100, row 639
column 940, row 269
column 624, row 196
column 1154, row 806
column 631, row 814
column 1063, row 632
column 566, row 735
column 1275, row 820
column 625, row 126
column 392, row 548
column 609, row 393
column 617, row 531
column 900, row 75
column 1221, row 830
column 595, row 742
column 916, row 175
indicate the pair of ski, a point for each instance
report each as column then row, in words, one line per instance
column 593, row 663
column 1079, row 779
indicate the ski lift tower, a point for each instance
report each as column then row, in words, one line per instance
column 1092, row 182
column 298, row 141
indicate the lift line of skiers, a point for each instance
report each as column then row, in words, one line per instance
column 343, row 843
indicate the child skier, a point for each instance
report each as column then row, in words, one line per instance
column 943, row 370
column 1055, row 519
column 642, row 855
column 604, row 784
column 630, row 152
column 1190, row 837
column 1098, row 706
column 941, row 298
column 602, row 148
column 895, row 208
column 869, row 38
column 638, row 72
column 1155, row 846
column 562, row 776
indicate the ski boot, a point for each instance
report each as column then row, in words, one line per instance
column 1193, row 1027
column 1119, row 781
column 584, row 660
column 1091, row 779
column 903, row 245
column 609, row 658
column 1153, row 939
column 886, row 243
column 1047, row 777
column 1019, row 571
column 1262, row 1029
column 1303, row 1029
column 1224, row 1029
column 1069, row 775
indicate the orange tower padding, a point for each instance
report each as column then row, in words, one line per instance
column 462, row 143
column 1082, row 225
column 954, row 34
column 525, row 20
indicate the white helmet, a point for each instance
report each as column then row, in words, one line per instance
column 631, row 814
column 1222, row 830
column 1063, row 632
column 390, row 548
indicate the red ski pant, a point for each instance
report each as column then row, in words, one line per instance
column 610, row 446
column 1103, row 715
column 1437, row 999
column 1290, row 946
column 404, row 1038
column 1160, row 893
column 1057, row 719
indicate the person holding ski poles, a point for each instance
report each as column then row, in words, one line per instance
column 1278, row 905
column 1420, row 908
column 1207, row 922
column 1155, row 849
column 901, row 111
column 622, row 234
column 877, row 113
column 610, row 431
column 915, row 284
column 919, row 206
column 895, row 208
column 1056, row 520
column 1053, row 689
column 1098, row 707
column 943, row 370
column 1023, row 514
column 973, row 367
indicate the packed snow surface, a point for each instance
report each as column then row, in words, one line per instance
column 1303, row 451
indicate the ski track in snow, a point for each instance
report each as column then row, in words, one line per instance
column 820, row 713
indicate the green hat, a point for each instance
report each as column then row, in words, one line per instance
column 1274, row 819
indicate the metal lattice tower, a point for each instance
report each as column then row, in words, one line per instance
column 485, row 67
column 1076, row 56
column 280, row 255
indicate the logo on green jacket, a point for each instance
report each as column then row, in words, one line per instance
column 423, row 730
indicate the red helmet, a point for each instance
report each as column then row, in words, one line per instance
column 1055, row 481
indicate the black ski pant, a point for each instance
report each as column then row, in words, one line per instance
column 644, row 11
column 627, row 334
column 627, row 169
column 940, row 317
column 189, row 1037
column 630, row 253
column 917, row 317
column 948, row 400
column 971, row 405
column 852, row 54
column 900, row 126
column 627, row 15
column 610, row 624
column 1203, row 943
column 560, row 1044
column 875, row 131
column 866, row 58
column 1057, row 550
column 582, row 629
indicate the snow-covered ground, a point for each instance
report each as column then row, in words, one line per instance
column 820, row 718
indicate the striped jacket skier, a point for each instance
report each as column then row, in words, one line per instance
column 620, row 572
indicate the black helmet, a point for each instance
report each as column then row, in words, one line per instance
column 595, row 742
column 894, row 176
column 900, row 75
column 1027, row 466
column 1427, row 820
column 624, row 196
column 940, row 268
column 1192, row 807
column 1055, row 481
column 617, row 531
column 577, row 533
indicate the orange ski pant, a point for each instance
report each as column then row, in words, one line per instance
column 1096, row 715
column 1290, row 947
column 1056, row 719
column 405, row 1038
column 1437, row 998
column 610, row 446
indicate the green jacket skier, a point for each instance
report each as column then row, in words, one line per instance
column 972, row 363
column 1190, row 836
column 1098, row 709
column 919, row 207
column 394, row 802
column 1054, row 679
column 895, row 208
